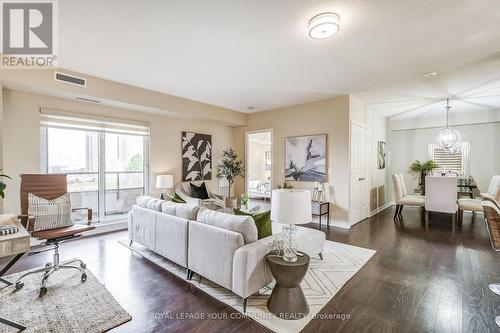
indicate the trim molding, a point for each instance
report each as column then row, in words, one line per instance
column 381, row 208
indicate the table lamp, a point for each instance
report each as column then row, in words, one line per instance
column 290, row 207
column 164, row 182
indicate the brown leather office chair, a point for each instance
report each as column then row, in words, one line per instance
column 50, row 187
column 491, row 210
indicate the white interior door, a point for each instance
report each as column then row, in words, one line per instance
column 360, row 193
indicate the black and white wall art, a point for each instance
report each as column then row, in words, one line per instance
column 381, row 153
column 196, row 156
column 305, row 158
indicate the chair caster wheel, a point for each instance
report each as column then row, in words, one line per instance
column 48, row 264
column 84, row 277
column 43, row 291
column 83, row 266
column 19, row 285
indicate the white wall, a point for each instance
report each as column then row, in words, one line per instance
column 377, row 123
column 481, row 130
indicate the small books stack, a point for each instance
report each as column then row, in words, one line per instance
column 8, row 229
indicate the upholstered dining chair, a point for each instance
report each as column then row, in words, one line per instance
column 45, row 206
column 401, row 196
column 474, row 205
column 491, row 209
column 441, row 196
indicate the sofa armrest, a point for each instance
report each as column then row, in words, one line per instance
column 211, row 251
column 250, row 270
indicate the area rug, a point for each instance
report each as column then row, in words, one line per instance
column 322, row 281
column 68, row 306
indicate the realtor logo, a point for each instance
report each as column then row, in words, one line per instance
column 28, row 34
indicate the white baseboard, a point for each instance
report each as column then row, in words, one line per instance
column 381, row 208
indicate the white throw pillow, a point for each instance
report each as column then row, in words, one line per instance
column 148, row 202
column 50, row 214
column 242, row 224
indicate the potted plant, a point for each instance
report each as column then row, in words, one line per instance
column 229, row 168
column 2, row 184
column 422, row 169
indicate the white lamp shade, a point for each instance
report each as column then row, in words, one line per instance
column 164, row 181
column 291, row 206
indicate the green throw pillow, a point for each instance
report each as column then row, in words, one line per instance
column 177, row 198
column 262, row 221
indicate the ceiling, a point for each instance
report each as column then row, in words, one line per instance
column 257, row 53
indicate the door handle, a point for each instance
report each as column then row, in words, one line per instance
column 361, row 179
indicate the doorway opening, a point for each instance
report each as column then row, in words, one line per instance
column 259, row 165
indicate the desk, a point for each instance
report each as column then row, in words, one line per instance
column 12, row 245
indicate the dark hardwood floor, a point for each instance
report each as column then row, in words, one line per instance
column 417, row 281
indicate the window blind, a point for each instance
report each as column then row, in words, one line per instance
column 63, row 119
column 448, row 161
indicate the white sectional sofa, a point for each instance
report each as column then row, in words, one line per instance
column 220, row 247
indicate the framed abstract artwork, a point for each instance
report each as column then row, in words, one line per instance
column 381, row 153
column 196, row 156
column 305, row 158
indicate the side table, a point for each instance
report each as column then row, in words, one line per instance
column 13, row 245
column 319, row 209
column 287, row 299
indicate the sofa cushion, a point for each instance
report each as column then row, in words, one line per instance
column 148, row 202
column 262, row 222
column 199, row 192
column 183, row 210
column 244, row 225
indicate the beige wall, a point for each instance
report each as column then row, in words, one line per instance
column 21, row 137
column 329, row 116
column 119, row 95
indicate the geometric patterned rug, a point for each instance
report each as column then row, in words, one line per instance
column 68, row 306
column 322, row 281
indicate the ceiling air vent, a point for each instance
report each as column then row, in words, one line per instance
column 88, row 100
column 70, row 79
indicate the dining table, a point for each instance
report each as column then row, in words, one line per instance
column 466, row 187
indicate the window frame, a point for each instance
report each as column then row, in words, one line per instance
column 101, row 191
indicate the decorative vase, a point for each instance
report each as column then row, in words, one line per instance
column 232, row 202
column 422, row 181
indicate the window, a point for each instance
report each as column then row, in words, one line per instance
column 456, row 162
column 106, row 165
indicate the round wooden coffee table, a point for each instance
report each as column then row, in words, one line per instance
column 287, row 300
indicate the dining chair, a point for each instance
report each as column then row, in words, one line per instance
column 401, row 196
column 491, row 209
column 474, row 205
column 441, row 196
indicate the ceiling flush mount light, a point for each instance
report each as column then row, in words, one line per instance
column 448, row 138
column 324, row 25
column 429, row 75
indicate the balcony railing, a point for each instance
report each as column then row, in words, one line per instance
column 120, row 192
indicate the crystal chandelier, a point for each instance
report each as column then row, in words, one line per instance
column 448, row 138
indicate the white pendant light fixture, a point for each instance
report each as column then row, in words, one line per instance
column 324, row 25
column 448, row 138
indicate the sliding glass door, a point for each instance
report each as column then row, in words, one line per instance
column 124, row 172
column 106, row 171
